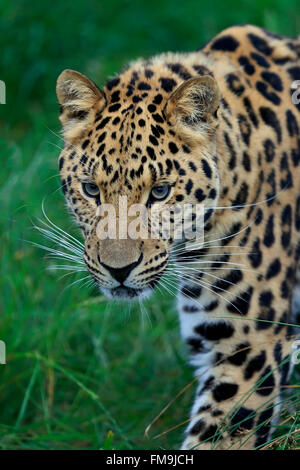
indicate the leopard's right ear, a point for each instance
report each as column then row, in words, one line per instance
column 192, row 107
column 80, row 101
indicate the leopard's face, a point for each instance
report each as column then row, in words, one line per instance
column 135, row 150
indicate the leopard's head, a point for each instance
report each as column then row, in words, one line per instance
column 149, row 140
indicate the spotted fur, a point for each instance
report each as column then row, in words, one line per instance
column 219, row 126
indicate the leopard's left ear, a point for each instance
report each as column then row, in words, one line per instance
column 80, row 101
column 193, row 105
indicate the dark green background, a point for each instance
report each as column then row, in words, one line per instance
column 82, row 372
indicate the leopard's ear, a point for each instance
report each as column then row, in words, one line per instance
column 80, row 100
column 192, row 107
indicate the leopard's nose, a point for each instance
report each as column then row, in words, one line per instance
column 121, row 274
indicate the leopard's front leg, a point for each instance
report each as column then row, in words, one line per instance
column 236, row 362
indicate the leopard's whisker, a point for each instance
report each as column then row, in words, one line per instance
column 205, row 255
column 209, row 262
column 65, row 258
column 54, row 232
column 207, row 242
column 215, row 268
column 183, row 268
column 194, row 279
column 241, row 206
column 191, row 271
column 195, row 300
column 54, row 145
column 167, row 284
column 65, row 275
column 204, row 284
column 74, row 146
column 62, row 242
column 201, row 245
column 90, row 283
column 193, row 264
column 66, row 267
column 206, row 274
column 57, row 253
column 60, row 230
column 144, row 313
column 228, row 247
column 76, row 282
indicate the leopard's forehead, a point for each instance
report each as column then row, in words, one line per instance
column 149, row 81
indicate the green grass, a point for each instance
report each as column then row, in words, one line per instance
column 82, row 372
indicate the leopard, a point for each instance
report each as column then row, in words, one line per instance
column 216, row 127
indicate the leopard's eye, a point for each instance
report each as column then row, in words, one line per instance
column 90, row 189
column 160, row 193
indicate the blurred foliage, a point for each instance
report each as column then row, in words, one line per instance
column 40, row 39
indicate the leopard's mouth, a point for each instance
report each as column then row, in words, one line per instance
column 127, row 293
column 123, row 292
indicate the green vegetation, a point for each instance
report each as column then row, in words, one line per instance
column 83, row 372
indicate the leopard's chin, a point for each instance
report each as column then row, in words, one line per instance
column 127, row 293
